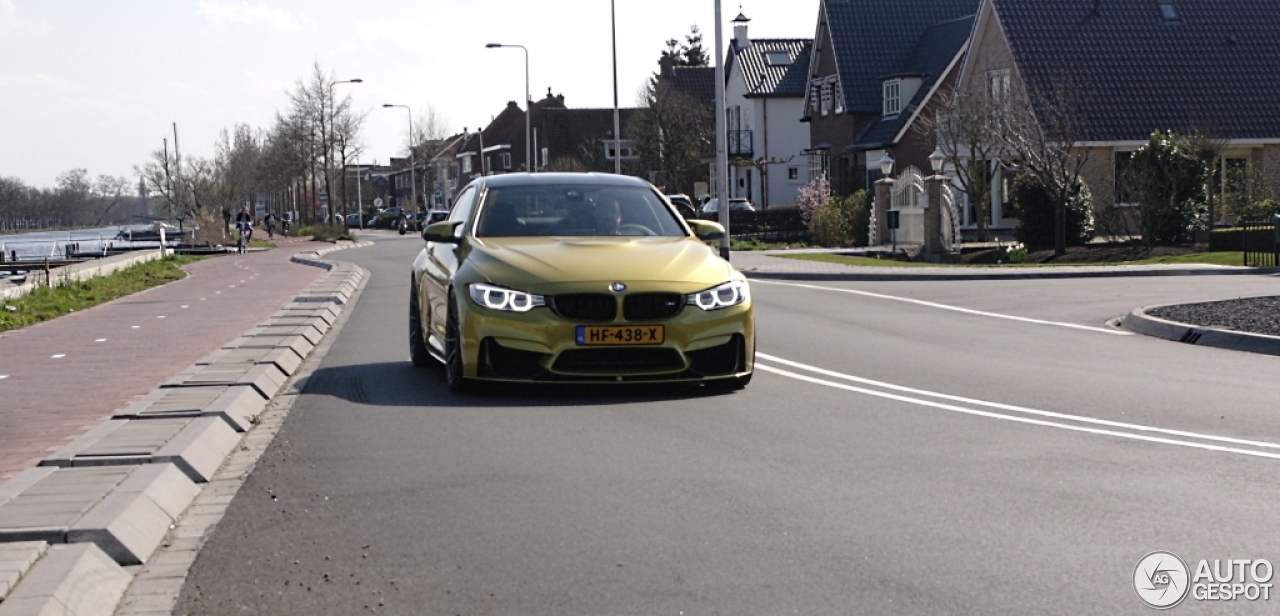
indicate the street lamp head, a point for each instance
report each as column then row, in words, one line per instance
column 886, row 165
column 356, row 81
column 493, row 45
column 936, row 159
column 387, row 105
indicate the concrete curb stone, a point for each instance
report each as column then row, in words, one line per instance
column 285, row 359
column 16, row 559
column 1143, row 323
column 266, row 378
column 196, row 446
column 72, row 580
column 237, row 405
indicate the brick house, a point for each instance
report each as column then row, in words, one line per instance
column 863, row 51
column 1136, row 66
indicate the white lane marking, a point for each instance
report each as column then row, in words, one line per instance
column 135, row 327
column 1018, row 409
column 1026, row 420
column 3, row 377
column 100, row 340
column 1114, row 332
column 160, row 317
column 58, row 356
column 185, row 306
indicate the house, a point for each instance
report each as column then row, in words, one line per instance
column 873, row 61
column 1135, row 66
column 766, row 82
column 443, row 171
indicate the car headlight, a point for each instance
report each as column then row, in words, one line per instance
column 728, row 294
column 501, row 298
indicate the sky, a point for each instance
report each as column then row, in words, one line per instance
column 98, row 84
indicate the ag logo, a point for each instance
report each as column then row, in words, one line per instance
column 1161, row 580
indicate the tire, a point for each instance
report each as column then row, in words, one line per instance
column 453, row 369
column 418, row 352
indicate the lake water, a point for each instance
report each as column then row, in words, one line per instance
column 53, row 243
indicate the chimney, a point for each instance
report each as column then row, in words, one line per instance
column 740, row 39
column 667, row 65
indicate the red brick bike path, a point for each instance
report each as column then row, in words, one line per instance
column 62, row 377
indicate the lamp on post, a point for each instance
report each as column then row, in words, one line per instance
column 413, row 163
column 528, row 105
column 886, row 166
column 936, row 159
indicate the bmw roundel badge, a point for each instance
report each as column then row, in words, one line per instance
column 617, row 287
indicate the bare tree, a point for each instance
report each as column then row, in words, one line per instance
column 1043, row 129
column 967, row 130
column 670, row 132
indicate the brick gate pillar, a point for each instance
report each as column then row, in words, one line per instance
column 881, row 206
column 933, row 216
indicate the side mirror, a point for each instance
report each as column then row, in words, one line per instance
column 442, row 232
column 706, row 230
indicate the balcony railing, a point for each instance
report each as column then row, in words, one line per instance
column 737, row 142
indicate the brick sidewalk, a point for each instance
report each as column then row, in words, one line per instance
column 62, row 377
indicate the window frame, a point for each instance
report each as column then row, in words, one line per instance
column 891, row 90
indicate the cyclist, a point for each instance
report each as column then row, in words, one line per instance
column 288, row 219
column 270, row 221
column 244, row 227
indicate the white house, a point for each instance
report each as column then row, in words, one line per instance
column 767, row 80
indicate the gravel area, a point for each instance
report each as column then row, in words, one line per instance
column 1256, row 315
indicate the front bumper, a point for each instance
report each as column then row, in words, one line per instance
column 542, row 346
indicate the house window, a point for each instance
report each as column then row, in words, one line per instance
column 1124, row 198
column 839, row 95
column 892, row 96
column 506, row 160
column 815, row 94
column 466, row 164
column 793, row 174
column 826, row 97
column 998, row 85
column 777, row 58
column 627, row 148
column 1168, row 11
column 818, row 164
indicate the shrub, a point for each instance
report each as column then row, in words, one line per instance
column 814, row 196
column 1039, row 221
column 1169, row 182
column 1261, row 209
column 326, row 233
column 829, row 226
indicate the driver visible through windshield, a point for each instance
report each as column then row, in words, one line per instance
column 575, row 210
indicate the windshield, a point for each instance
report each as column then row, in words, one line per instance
column 575, row 210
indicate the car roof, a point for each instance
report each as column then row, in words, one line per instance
column 542, row 179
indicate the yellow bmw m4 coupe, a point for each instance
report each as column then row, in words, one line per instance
column 577, row 278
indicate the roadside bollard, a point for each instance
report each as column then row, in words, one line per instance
column 48, row 279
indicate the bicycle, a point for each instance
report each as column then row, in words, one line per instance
column 245, row 235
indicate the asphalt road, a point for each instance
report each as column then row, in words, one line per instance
column 989, row 447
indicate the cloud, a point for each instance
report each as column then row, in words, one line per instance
column 223, row 14
column 11, row 22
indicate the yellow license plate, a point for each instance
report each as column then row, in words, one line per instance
column 613, row 334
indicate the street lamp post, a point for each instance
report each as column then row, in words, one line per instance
column 413, row 163
column 528, row 105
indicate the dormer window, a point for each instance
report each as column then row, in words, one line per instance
column 777, row 58
column 892, row 96
column 1168, row 12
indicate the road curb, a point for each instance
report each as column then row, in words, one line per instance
column 1012, row 275
column 1141, row 322
column 130, row 479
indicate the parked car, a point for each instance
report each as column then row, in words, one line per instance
column 577, row 278
column 684, row 205
column 353, row 220
column 736, row 204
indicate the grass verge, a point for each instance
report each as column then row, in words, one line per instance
column 1209, row 258
column 45, row 303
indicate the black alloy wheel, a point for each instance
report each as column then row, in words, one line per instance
column 418, row 352
column 453, row 371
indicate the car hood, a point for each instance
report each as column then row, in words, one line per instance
column 559, row 264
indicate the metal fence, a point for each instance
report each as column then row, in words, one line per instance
column 1260, row 242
